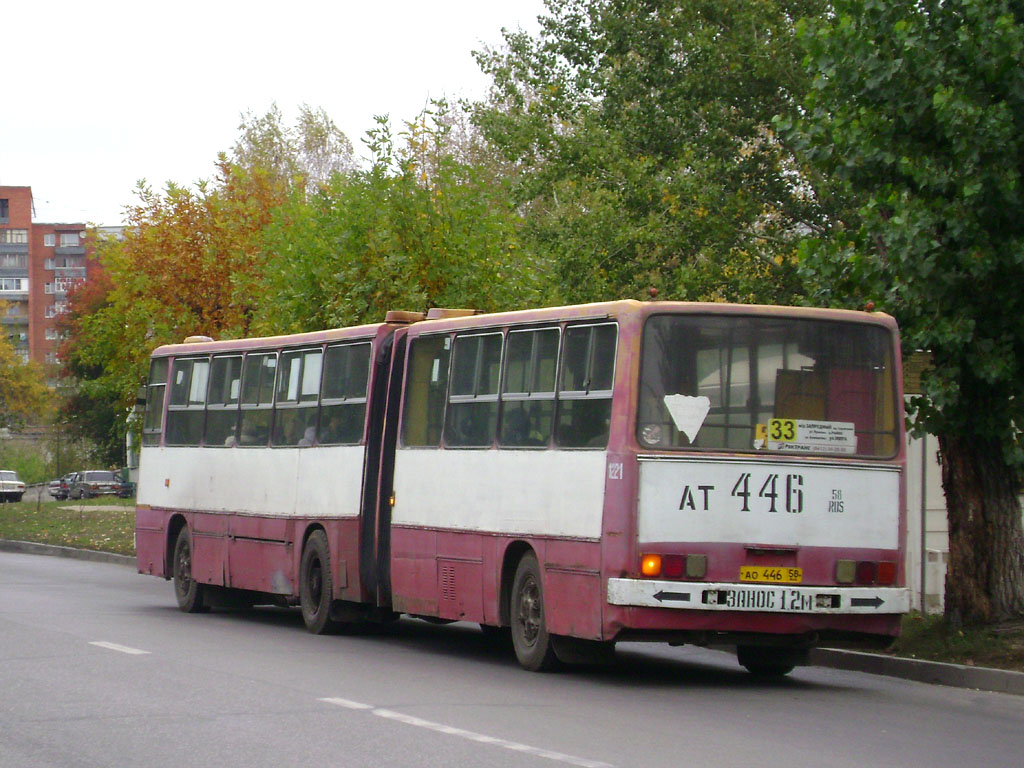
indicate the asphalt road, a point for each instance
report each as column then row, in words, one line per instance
column 99, row 668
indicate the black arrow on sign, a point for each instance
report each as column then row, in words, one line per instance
column 874, row 602
column 661, row 596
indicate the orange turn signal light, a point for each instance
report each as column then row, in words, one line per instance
column 650, row 565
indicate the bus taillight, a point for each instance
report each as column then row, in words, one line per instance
column 674, row 566
column 650, row 565
column 866, row 572
column 887, row 572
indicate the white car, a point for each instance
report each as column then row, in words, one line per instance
column 11, row 488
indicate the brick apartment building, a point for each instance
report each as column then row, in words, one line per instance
column 39, row 264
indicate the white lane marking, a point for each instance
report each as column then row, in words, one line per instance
column 470, row 735
column 347, row 703
column 118, row 648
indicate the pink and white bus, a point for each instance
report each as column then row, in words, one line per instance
column 714, row 474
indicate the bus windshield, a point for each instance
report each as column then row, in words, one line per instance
column 767, row 384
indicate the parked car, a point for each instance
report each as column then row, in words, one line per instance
column 61, row 487
column 126, row 488
column 11, row 487
column 94, row 482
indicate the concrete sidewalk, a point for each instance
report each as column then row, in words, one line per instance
column 936, row 673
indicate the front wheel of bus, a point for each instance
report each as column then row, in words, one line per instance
column 189, row 592
column 530, row 636
column 316, row 587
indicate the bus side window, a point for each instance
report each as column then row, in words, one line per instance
column 257, row 398
column 528, row 391
column 472, row 417
column 298, row 391
column 343, row 394
column 153, row 422
column 222, row 402
column 186, row 407
column 585, row 391
column 426, row 391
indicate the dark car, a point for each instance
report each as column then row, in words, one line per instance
column 126, row 488
column 94, row 482
column 60, row 488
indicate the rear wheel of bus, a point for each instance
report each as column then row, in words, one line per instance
column 189, row 592
column 316, row 585
column 530, row 637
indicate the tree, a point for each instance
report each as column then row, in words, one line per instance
column 641, row 134
column 190, row 262
column 918, row 107
column 423, row 226
column 23, row 393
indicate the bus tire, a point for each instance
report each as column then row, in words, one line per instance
column 530, row 637
column 316, row 586
column 190, row 594
column 763, row 661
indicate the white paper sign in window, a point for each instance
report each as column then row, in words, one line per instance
column 688, row 413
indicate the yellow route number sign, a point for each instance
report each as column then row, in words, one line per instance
column 782, row 430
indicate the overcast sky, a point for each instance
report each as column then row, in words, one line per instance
column 101, row 94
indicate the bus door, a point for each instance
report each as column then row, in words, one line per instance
column 387, row 470
column 378, row 475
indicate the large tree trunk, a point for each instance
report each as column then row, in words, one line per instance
column 985, row 578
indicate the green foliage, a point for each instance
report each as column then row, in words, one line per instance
column 641, row 133
column 23, row 393
column 919, row 109
column 420, row 227
column 27, row 460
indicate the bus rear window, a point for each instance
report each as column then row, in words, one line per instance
column 767, row 384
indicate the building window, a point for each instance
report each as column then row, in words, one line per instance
column 13, row 284
column 69, row 239
column 13, row 236
column 49, row 239
column 13, row 261
column 5, row 210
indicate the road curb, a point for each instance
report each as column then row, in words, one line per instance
column 933, row 672
column 52, row 550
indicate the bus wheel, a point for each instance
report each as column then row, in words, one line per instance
column 770, row 662
column 316, row 587
column 189, row 592
column 530, row 636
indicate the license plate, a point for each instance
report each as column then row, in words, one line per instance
column 771, row 574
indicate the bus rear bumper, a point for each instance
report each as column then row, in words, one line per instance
column 762, row 598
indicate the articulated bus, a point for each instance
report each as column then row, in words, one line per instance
column 722, row 475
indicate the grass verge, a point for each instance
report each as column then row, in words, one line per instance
column 87, row 524
column 931, row 638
